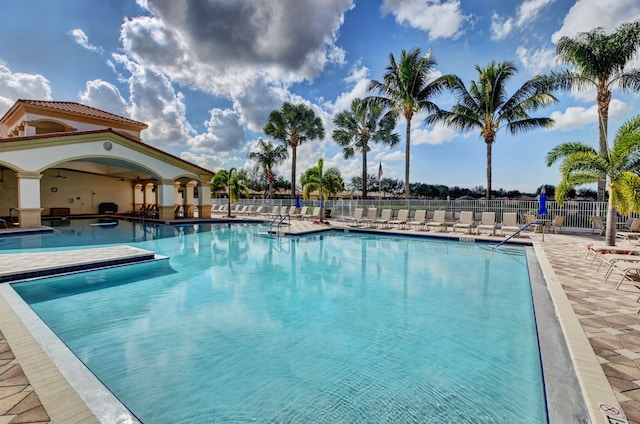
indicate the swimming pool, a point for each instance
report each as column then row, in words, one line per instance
column 328, row 328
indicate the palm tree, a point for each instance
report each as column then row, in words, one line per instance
column 599, row 61
column 293, row 125
column 357, row 126
column 326, row 183
column 269, row 155
column 486, row 107
column 233, row 182
column 406, row 89
column 582, row 164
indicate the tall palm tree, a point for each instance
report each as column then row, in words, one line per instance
column 327, row 183
column 582, row 164
column 362, row 123
column 233, row 182
column 293, row 125
column 269, row 155
column 406, row 89
column 599, row 60
column 486, row 107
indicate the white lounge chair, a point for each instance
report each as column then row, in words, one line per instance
column 487, row 222
column 383, row 220
column 438, row 221
column 465, row 223
column 509, row 223
column 372, row 214
column 401, row 219
column 352, row 221
column 419, row 219
column 634, row 231
column 314, row 215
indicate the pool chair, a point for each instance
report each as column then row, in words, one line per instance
column 487, row 222
column 367, row 220
column 633, row 233
column 352, row 221
column 401, row 219
column 300, row 214
column 611, row 259
column 465, row 223
column 509, row 223
column 597, row 224
column 558, row 223
column 628, row 270
column 383, row 220
column 438, row 222
column 314, row 215
column 419, row 219
column 272, row 213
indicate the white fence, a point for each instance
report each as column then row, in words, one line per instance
column 578, row 214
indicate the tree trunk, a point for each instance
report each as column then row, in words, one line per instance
column 294, row 149
column 407, row 189
column 364, row 174
column 604, row 98
column 610, row 234
column 488, row 194
column 270, row 179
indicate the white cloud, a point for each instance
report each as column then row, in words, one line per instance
column 224, row 133
column 154, row 101
column 527, row 13
column 438, row 134
column 81, row 38
column 206, row 161
column 359, row 78
column 535, row 61
column 586, row 15
column 105, row 96
column 575, row 117
column 438, row 18
column 14, row 86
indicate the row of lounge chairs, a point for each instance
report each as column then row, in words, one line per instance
column 442, row 221
column 291, row 212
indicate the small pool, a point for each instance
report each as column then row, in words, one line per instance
column 239, row 327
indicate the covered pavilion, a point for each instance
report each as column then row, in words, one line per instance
column 69, row 158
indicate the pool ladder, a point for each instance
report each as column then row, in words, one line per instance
column 278, row 222
column 521, row 230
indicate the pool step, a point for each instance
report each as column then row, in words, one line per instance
column 22, row 266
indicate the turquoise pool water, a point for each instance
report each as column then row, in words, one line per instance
column 238, row 327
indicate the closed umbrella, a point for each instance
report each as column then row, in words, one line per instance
column 542, row 209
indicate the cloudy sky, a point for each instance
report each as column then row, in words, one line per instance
column 204, row 75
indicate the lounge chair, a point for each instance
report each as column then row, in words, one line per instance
column 383, row 220
column 634, row 231
column 509, row 223
column 629, row 270
column 300, row 214
column 598, row 224
column 314, row 215
column 372, row 214
column 487, row 222
column 352, row 221
column 438, row 221
column 419, row 219
column 256, row 211
column 558, row 223
column 272, row 213
column 465, row 223
column 401, row 219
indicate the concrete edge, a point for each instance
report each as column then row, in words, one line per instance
column 593, row 382
column 61, row 381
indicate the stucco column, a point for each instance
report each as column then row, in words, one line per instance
column 165, row 199
column 189, row 200
column 29, row 210
column 204, row 200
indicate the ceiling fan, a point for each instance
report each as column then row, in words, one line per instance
column 60, row 176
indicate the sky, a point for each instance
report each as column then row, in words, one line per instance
column 204, row 75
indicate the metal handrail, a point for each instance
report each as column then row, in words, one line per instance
column 280, row 218
column 542, row 224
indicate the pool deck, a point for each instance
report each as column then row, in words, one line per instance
column 601, row 325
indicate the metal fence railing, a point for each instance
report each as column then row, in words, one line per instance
column 578, row 214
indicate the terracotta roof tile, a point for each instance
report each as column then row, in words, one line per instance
column 80, row 109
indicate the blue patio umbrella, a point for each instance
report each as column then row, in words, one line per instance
column 298, row 204
column 542, row 209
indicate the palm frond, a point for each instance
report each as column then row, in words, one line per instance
column 565, row 149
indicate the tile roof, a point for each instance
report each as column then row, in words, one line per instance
column 79, row 109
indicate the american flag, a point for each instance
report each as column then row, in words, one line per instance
column 380, row 171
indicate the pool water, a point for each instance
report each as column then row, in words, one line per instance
column 239, row 327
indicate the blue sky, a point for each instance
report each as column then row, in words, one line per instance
column 205, row 75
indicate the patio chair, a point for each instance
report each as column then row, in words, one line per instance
column 558, row 223
column 487, row 222
column 401, row 219
column 314, row 215
column 509, row 223
column 300, row 214
column 634, row 231
column 597, row 224
column 438, row 221
column 367, row 220
column 383, row 220
column 419, row 219
column 352, row 221
column 465, row 223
